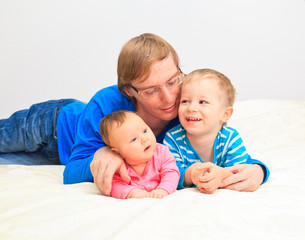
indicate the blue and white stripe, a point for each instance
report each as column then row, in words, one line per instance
column 228, row 149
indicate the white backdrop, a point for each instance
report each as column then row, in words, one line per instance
column 53, row 49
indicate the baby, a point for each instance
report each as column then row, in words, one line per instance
column 151, row 166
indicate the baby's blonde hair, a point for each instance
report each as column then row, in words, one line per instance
column 227, row 91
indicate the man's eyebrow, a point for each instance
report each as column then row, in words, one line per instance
column 170, row 78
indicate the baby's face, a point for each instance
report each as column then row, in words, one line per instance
column 200, row 110
column 134, row 140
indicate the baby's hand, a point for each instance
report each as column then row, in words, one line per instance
column 158, row 193
column 138, row 193
column 210, row 181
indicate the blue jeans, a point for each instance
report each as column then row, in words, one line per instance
column 29, row 136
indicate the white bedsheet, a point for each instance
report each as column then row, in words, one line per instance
column 34, row 204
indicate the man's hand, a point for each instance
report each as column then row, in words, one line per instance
column 104, row 165
column 246, row 178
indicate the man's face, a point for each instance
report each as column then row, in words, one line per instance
column 164, row 105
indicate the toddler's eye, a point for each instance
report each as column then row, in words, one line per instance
column 145, row 131
column 202, row 102
column 184, row 101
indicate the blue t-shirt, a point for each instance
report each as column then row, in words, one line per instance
column 78, row 133
column 228, row 149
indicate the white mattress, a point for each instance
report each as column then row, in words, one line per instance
column 34, row 204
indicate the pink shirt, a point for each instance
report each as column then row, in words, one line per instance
column 161, row 171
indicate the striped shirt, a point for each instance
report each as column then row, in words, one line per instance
column 228, row 149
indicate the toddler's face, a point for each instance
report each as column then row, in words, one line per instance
column 201, row 111
column 134, row 140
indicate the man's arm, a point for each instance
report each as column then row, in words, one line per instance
column 90, row 160
column 104, row 165
column 246, row 178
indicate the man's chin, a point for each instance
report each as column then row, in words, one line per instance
column 168, row 116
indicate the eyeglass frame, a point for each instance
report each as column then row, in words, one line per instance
column 180, row 76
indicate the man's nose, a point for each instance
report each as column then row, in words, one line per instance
column 166, row 95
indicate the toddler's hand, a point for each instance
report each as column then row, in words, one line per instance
column 210, row 181
column 197, row 171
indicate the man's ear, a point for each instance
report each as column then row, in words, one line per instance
column 227, row 114
column 128, row 91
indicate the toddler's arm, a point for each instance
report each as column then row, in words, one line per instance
column 192, row 174
column 249, row 173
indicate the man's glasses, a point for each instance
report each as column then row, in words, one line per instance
column 153, row 91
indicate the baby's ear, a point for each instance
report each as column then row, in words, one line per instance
column 114, row 149
column 117, row 151
column 227, row 114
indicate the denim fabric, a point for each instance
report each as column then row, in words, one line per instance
column 23, row 158
column 31, row 130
